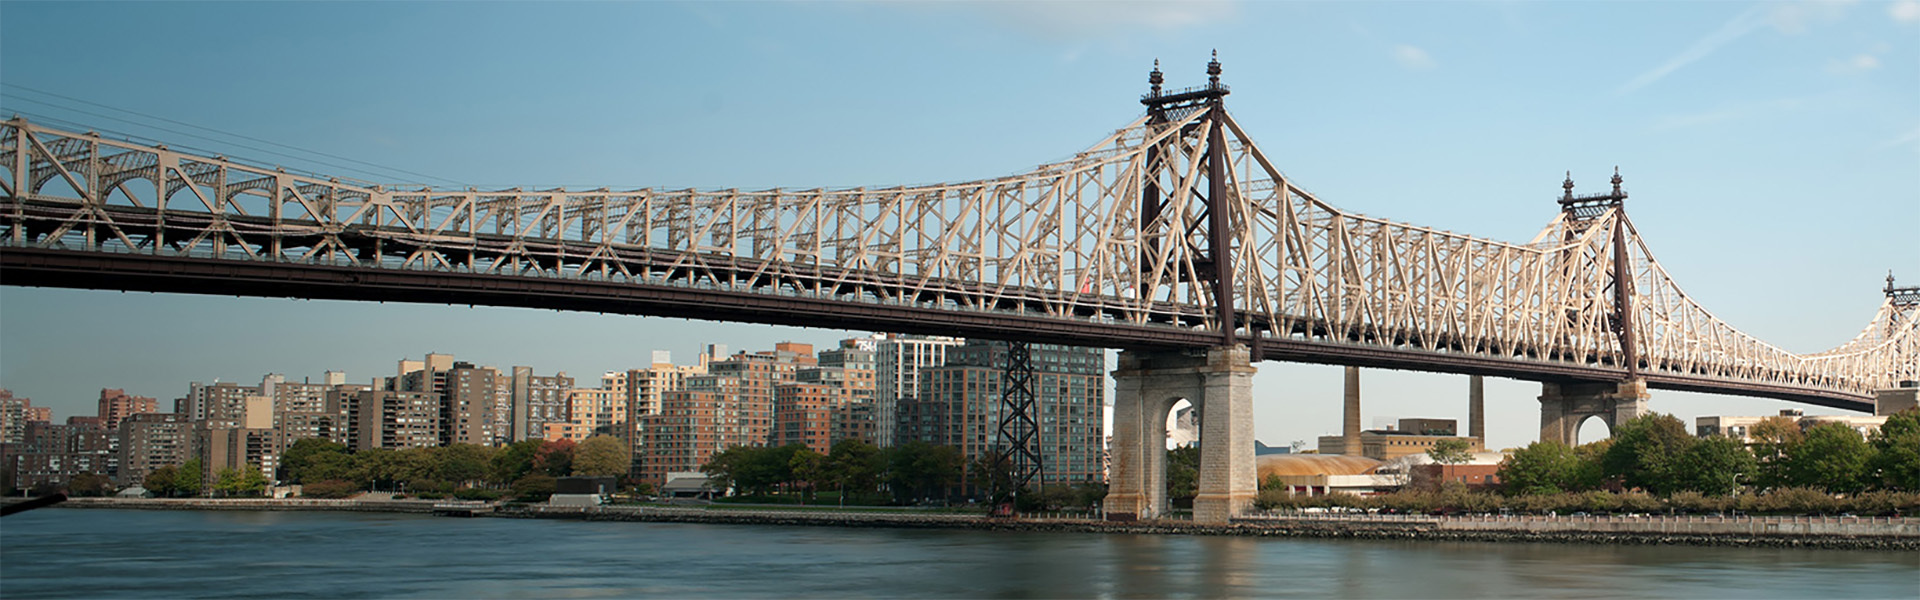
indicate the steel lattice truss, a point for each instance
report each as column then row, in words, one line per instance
column 1066, row 241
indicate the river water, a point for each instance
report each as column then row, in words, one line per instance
column 98, row 553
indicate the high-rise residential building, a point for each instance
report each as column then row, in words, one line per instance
column 960, row 405
column 312, row 410
column 221, row 404
column 116, row 405
column 15, row 413
column 390, row 419
column 598, row 410
column 538, row 400
column 471, row 402
column 149, row 441
column 803, row 412
column 238, row 448
column 898, row 362
column 830, row 401
column 52, row 454
column 645, row 388
column 731, row 405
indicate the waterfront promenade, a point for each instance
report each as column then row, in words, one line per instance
column 1879, row 533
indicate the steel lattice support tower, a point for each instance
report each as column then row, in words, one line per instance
column 1019, row 432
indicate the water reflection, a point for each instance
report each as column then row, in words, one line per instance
column 104, row 553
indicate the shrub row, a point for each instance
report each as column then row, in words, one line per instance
column 1453, row 499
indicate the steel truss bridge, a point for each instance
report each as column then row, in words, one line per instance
column 1175, row 231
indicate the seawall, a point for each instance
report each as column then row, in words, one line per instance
column 1871, row 533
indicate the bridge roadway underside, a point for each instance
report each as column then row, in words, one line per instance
column 34, row 267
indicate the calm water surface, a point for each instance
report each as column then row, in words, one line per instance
column 92, row 553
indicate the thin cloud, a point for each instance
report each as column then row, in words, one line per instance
column 1741, row 111
column 1858, row 64
column 1905, row 11
column 1910, row 137
column 1080, row 20
column 1412, row 57
column 1741, row 25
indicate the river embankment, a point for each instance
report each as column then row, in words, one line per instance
column 1869, row 533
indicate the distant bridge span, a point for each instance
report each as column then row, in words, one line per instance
column 1130, row 244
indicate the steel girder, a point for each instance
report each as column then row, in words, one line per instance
column 1065, row 243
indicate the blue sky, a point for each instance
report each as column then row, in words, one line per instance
column 1772, row 149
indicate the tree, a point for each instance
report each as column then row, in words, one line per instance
column 854, row 465
column 724, row 467
column 1646, row 452
column 302, row 454
column 160, row 481
column 808, row 468
column 992, row 472
column 1773, row 437
column 1714, row 466
column 1543, row 467
column 1451, row 451
column 535, row 487
column 555, row 458
column 916, row 469
column 227, row 482
column 463, row 464
column 325, row 466
column 375, row 468
column 247, row 481
column 602, row 456
column 89, row 484
column 514, row 461
column 1832, row 457
column 1896, row 452
column 1183, row 473
column 190, row 478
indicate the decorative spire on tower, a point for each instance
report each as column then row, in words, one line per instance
column 1213, row 70
column 1616, row 180
column 1156, row 78
column 1568, row 186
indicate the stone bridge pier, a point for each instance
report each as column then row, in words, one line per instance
column 1565, row 405
column 1219, row 383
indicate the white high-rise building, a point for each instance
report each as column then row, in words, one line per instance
column 898, row 360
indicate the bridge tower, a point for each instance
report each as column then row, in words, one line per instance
column 1566, row 404
column 1217, row 381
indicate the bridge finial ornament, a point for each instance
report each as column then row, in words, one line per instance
column 1156, row 78
column 1213, row 70
column 1568, row 185
column 1616, row 180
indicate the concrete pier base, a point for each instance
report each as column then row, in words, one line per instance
column 1219, row 383
column 1563, row 406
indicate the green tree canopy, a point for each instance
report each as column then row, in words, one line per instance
column 1773, row 437
column 854, row 465
column 1451, row 451
column 1896, row 452
column 602, row 456
column 1183, row 472
column 190, row 478
column 90, row 484
column 917, row 469
column 463, row 464
column 1715, row 466
column 1646, row 453
column 1543, row 467
column 298, row 458
column 1832, row 457
column 514, row 461
column 161, row 481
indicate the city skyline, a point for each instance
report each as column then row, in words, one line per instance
column 1360, row 103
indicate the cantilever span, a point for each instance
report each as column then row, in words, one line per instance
column 1118, row 246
